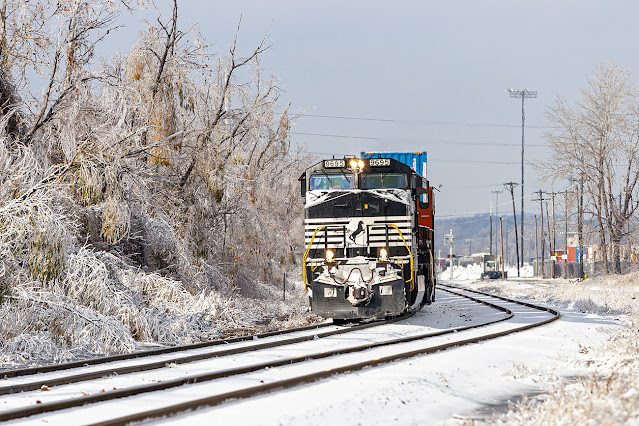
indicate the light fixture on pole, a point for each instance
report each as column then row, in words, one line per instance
column 523, row 94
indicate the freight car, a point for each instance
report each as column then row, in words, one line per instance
column 369, row 239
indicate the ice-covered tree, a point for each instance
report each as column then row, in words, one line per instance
column 173, row 159
column 597, row 138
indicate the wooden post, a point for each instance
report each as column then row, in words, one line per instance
column 536, row 250
column 566, row 235
column 542, row 238
column 491, row 234
column 501, row 238
column 552, row 273
column 554, row 240
column 580, row 225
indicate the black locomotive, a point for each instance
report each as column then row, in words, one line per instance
column 369, row 238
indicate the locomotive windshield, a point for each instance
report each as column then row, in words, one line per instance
column 331, row 182
column 384, row 181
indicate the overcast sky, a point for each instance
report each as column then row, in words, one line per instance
column 429, row 76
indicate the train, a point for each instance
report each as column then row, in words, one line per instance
column 368, row 235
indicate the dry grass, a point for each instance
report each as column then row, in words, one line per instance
column 609, row 394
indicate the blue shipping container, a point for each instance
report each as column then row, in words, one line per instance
column 416, row 160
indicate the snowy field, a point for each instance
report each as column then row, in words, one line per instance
column 581, row 369
column 596, row 384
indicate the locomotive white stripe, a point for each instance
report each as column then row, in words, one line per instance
column 337, row 246
column 322, row 232
column 339, row 225
column 340, row 236
column 372, row 231
column 340, row 242
column 375, row 219
column 372, row 226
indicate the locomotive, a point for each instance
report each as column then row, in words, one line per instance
column 369, row 242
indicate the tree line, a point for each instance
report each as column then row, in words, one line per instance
column 176, row 159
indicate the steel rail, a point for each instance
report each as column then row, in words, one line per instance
column 136, row 390
column 91, row 375
column 309, row 378
column 141, row 354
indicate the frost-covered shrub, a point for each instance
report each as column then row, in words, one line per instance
column 104, row 306
column 34, row 241
column 609, row 395
column 147, row 199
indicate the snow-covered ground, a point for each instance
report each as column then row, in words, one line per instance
column 473, row 272
column 560, row 363
column 581, row 369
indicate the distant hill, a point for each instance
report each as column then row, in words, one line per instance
column 472, row 235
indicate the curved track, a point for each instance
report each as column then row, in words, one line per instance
column 152, row 360
column 304, row 366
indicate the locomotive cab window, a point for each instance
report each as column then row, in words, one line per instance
column 424, row 202
column 326, row 182
column 384, row 181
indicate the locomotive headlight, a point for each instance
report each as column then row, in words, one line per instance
column 383, row 255
column 360, row 164
column 329, row 255
column 353, row 164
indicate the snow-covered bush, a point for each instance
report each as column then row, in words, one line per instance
column 149, row 199
column 608, row 395
column 609, row 392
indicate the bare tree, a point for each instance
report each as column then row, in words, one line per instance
column 597, row 139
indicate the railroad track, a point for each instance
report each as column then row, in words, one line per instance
column 304, row 365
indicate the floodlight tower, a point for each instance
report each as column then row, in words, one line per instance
column 523, row 94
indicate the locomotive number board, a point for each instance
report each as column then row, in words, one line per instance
column 334, row 164
column 379, row 162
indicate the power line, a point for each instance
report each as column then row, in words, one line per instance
column 471, row 186
column 427, row 122
column 440, row 161
column 478, row 162
column 448, row 142
column 514, row 145
column 467, row 124
column 479, row 211
column 340, row 117
column 334, row 136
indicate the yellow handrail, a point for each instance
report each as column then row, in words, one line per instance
column 410, row 254
column 319, row 228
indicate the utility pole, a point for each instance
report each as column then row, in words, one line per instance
column 565, row 192
column 552, row 274
column 536, row 250
column 496, row 191
column 511, row 186
column 501, row 238
column 506, row 234
column 541, row 199
column 566, row 227
column 580, row 227
column 490, row 248
column 554, row 239
column 523, row 94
